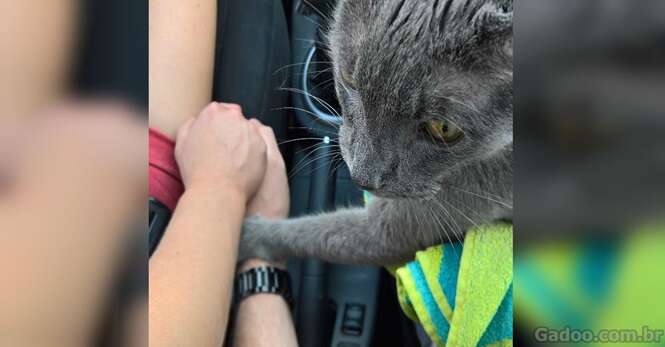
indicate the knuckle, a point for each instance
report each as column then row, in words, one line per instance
column 211, row 108
column 236, row 107
column 236, row 114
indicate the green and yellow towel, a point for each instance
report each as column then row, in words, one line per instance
column 612, row 282
column 462, row 294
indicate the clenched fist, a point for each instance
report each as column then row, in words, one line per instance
column 221, row 151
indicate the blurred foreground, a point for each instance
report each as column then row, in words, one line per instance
column 72, row 222
column 73, row 179
column 590, row 169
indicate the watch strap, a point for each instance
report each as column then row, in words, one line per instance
column 263, row 280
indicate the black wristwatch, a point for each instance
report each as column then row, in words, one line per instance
column 264, row 279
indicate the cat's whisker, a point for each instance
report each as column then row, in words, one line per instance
column 340, row 162
column 320, row 84
column 312, row 160
column 312, row 41
column 461, row 213
column 316, row 98
column 334, row 133
column 328, row 106
column 319, row 100
column 488, row 198
column 310, row 147
column 311, row 20
column 443, row 230
column 415, row 213
column 457, row 230
column 306, row 111
column 337, row 158
column 300, row 64
column 300, row 139
column 327, row 18
column 297, row 165
column 329, row 162
column 315, row 73
column 308, row 155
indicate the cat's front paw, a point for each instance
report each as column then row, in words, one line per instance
column 255, row 239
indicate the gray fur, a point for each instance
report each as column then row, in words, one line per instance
column 411, row 61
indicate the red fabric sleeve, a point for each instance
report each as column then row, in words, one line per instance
column 165, row 184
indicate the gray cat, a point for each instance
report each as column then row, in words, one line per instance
column 426, row 93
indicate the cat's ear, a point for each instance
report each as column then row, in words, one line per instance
column 494, row 20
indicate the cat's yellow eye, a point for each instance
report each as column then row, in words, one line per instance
column 443, row 131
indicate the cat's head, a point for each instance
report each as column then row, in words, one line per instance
column 425, row 88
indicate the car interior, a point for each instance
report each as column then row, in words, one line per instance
column 271, row 59
column 276, row 52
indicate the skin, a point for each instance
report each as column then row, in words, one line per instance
column 231, row 167
column 36, row 68
column 399, row 65
column 182, row 53
column 55, row 183
column 37, row 59
column 264, row 320
column 180, row 85
column 222, row 161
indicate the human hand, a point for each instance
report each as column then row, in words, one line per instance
column 221, row 151
column 272, row 198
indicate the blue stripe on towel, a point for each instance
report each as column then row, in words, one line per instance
column 442, row 326
column 596, row 268
column 531, row 281
column 501, row 326
column 452, row 253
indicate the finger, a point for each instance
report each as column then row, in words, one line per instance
column 258, row 127
column 234, row 107
column 183, row 131
column 211, row 108
column 268, row 136
column 255, row 127
column 232, row 110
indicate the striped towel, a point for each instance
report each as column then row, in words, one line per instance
column 462, row 294
column 595, row 284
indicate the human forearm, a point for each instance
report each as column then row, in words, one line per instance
column 63, row 230
column 191, row 273
column 264, row 320
column 37, row 41
column 182, row 52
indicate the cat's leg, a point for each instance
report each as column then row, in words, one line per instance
column 388, row 231
column 352, row 236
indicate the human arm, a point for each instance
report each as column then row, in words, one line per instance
column 38, row 42
column 265, row 319
column 63, row 230
column 222, row 160
column 182, row 52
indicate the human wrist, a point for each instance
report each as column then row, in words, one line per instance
column 256, row 263
column 220, row 190
column 261, row 278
